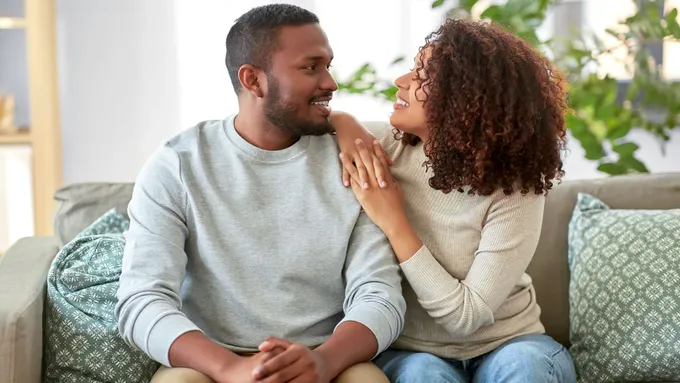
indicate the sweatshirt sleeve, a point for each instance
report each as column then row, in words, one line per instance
column 373, row 295
column 508, row 241
column 154, row 260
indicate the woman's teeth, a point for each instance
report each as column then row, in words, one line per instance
column 321, row 103
column 402, row 102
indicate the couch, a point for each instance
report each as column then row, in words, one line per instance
column 24, row 267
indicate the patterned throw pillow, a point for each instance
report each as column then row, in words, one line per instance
column 624, row 293
column 82, row 343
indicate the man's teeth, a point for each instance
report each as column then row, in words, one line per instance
column 402, row 102
column 322, row 103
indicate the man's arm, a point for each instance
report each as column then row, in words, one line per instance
column 374, row 315
column 374, row 304
column 154, row 264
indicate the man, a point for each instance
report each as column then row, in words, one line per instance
column 246, row 258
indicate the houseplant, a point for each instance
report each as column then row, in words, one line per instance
column 604, row 110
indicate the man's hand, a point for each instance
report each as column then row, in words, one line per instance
column 241, row 370
column 297, row 364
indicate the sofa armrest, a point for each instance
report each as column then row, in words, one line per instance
column 23, row 278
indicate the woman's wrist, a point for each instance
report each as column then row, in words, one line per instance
column 403, row 238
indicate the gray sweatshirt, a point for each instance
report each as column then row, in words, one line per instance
column 242, row 243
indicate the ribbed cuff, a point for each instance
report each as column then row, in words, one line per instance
column 376, row 321
column 427, row 277
column 167, row 328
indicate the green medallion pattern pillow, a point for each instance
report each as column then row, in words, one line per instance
column 82, row 343
column 624, row 293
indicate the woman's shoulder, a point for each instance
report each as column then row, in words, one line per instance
column 384, row 133
column 521, row 204
column 379, row 129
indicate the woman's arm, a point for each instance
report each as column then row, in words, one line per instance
column 509, row 239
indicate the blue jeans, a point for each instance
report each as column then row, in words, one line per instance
column 525, row 359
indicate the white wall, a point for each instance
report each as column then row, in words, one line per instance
column 359, row 32
column 16, row 199
column 119, row 87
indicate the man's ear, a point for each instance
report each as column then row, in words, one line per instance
column 249, row 76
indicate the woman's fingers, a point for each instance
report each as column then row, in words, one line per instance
column 349, row 169
column 345, row 177
column 368, row 158
column 383, row 164
column 367, row 162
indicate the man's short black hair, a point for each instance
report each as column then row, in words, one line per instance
column 253, row 39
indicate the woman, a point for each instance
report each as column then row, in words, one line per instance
column 459, row 191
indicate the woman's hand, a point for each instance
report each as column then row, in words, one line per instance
column 383, row 200
column 348, row 130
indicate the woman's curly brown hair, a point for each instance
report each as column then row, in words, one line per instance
column 495, row 110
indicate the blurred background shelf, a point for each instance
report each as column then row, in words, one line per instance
column 12, row 23
column 31, row 168
column 19, row 138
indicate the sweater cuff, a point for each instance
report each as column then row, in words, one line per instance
column 163, row 333
column 427, row 277
column 376, row 321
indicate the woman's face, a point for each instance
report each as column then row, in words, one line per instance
column 409, row 111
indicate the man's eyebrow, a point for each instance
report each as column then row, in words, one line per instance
column 317, row 58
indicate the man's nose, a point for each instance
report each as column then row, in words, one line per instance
column 328, row 82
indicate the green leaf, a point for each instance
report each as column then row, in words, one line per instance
column 612, row 168
column 437, row 3
column 390, row 93
column 493, row 13
column 634, row 164
column 626, row 148
column 398, row 60
column 672, row 23
column 543, row 5
column 620, row 130
column 633, row 88
column 613, row 33
column 467, row 4
column 590, row 143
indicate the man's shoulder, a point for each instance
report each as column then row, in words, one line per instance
column 193, row 137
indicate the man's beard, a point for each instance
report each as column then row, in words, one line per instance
column 285, row 115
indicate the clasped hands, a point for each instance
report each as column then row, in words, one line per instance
column 279, row 361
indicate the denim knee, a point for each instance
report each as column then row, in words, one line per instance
column 410, row 367
column 531, row 358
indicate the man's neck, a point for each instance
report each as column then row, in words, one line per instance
column 259, row 132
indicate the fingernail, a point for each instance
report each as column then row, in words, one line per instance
column 257, row 371
column 365, row 185
column 358, row 142
column 346, row 183
column 383, row 184
column 340, row 155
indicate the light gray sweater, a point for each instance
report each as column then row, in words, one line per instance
column 243, row 243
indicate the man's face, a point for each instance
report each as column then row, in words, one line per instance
column 299, row 84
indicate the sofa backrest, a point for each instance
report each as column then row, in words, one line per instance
column 81, row 204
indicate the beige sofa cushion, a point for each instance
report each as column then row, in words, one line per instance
column 549, row 268
column 82, row 204
column 23, row 272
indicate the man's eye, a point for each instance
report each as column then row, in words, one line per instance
column 310, row 67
